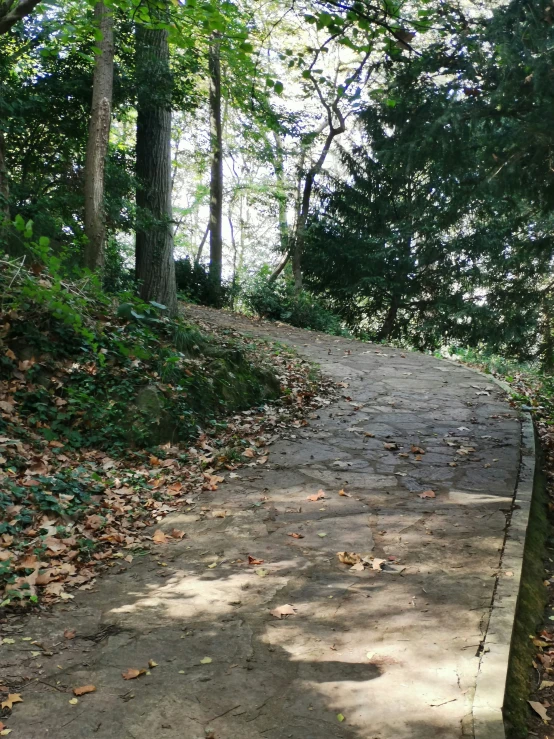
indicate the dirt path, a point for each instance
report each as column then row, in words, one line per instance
column 394, row 652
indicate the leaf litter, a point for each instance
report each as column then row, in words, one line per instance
column 106, row 504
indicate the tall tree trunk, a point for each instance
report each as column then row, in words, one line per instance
column 390, row 320
column 201, row 246
column 281, row 193
column 216, row 182
column 155, row 266
column 4, row 187
column 98, row 138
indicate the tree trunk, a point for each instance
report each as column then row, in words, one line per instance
column 98, row 138
column 201, row 247
column 281, row 193
column 11, row 13
column 4, row 187
column 216, row 182
column 155, row 266
column 390, row 320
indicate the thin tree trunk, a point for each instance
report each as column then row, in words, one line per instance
column 216, row 182
column 4, row 186
column 201, row 247
column 155, row 266
column 281, row 193
column 98, row 138
column 279, row 268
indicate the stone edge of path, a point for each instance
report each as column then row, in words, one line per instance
column 488, row 701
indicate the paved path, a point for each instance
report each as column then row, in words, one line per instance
column 396, row 652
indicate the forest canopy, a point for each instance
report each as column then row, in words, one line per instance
column 379, row 168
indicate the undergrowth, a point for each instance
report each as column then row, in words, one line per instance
column 81, row 366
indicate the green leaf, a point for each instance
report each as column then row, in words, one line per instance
column 278, row 87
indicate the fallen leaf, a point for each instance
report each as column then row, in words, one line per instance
column 296, row 535
column 377, row 563
column 349, row 558
column 316, row 496
column 11, row 699
column 254, row 561
column 322, row 534
column 344, row 494
column 206, row 661
column 159, row 537
column 358, row 567
column 74, row 701
column 177, row 533
column 427, row 494
column 249, row 453
column 261, row 573
column 151, row 663
column 540, row 709
column 546, row 684
column 132, row 673
column 340, row 717
column 5, row 732
column 390, row 445
column 84, row 689
column 219, row 514
column 70, row 633
column 286, row 610
column 417, row 449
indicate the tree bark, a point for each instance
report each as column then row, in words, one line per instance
column 11, row 13
column 155, row 266
column 216, row 180
column 98, row 138
column 4, row 186
column 390, row 320
column 281, row 193
column 201, row 247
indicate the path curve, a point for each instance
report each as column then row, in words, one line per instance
column 391, row 654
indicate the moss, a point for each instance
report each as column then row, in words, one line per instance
column 529, row 613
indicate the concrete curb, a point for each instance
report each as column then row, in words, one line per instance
column 488, row 701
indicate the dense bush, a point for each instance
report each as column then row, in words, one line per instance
column 195, row 285
column 279, row 302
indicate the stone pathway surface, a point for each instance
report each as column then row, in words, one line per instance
column 395, row 652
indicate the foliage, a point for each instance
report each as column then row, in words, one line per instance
column 96, row 376
column 278, row 301
column 195, row 285
column 416, row 244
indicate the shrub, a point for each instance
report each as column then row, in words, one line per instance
column 279, row 302
column 195, row 285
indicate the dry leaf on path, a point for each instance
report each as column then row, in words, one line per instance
column 358, row 567
column 377, row 563
column 349, row 558
column 152, row 664
column 295, row 535
column 286, row 610
column 254, row 561
column 390, row 445
column 11, row 699
column 540, row 709
column 177, row 533
column 84, row 689
column 70, row 633
column 249, row 453
column 344, row 494
column 427, row 494
column 132, row 673
column 417, row 449
column 159, row 537
column 206, row 661
column 316, row 496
